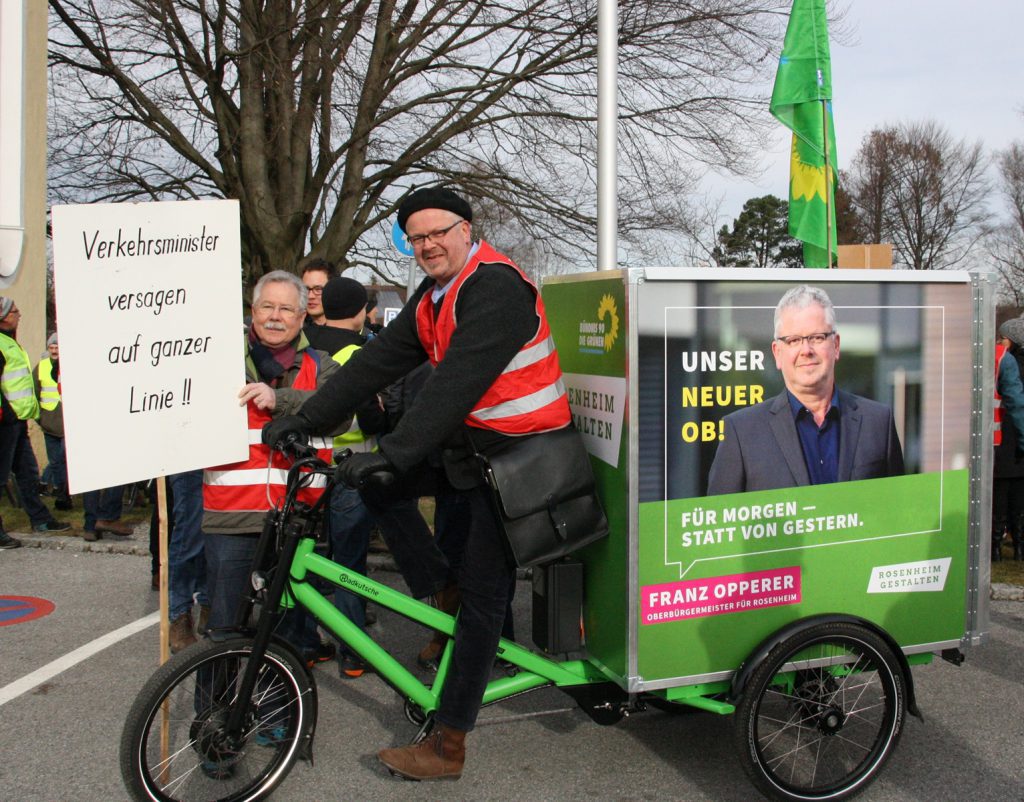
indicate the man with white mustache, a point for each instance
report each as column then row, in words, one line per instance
column 281, row 371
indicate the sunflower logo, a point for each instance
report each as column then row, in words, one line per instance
column 611, row 329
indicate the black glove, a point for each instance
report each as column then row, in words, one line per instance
column 358, row 469
column 287, row 428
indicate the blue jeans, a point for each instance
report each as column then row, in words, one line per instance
column 186, row 553
column 102, row 505
column 17, row 457
column 349, row 528
column 228, row 566
column 58, row 466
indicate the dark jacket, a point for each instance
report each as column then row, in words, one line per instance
column 762, row 451
column 370, row 413
column 496, row 315
column 1008, row 464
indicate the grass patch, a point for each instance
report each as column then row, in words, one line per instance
column 1008, row 571
column 15, row 519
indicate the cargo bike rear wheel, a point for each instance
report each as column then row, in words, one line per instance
column 821, row 713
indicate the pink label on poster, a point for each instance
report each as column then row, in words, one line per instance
column 697, row 598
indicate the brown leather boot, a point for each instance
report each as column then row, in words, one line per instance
column 181, row 634
column 447, row 601
column 439, row 756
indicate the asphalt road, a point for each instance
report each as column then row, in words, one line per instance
column 60, row 737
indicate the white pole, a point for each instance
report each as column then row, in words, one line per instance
column 607, row 124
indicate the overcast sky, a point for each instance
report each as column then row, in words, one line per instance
column 954, row 61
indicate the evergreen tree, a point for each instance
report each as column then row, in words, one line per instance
column 759, row 237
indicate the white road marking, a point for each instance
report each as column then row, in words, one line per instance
column 40, row 675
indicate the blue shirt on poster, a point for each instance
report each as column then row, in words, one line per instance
column 820, row 444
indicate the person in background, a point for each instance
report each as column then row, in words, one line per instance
column 281, row 371
column 186, row 559
column 344, row 304
column 315, row 275
column 51, row 421
column 18, row 405
column 103, row 510
column 1008, row 464
column 373, row 322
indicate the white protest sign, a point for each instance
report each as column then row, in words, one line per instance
column 149, row 302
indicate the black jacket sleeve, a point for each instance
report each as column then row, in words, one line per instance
column 384, row 359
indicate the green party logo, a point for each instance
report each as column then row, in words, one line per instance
column 598, row 336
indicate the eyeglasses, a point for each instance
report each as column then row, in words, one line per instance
column 316, row 289
column 795, row 340
column 416, row 240
column 284, row 311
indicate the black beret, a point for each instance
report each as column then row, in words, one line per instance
column 343, row 298
column 433, row 198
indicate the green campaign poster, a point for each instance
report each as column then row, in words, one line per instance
column 740, row 530
column 732, row 517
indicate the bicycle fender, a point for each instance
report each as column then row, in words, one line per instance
column 758, row 655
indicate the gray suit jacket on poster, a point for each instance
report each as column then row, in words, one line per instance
column 761, row 449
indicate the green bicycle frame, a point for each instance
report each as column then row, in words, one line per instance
column 535, row 670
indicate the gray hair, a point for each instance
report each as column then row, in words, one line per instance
column 281, row 277
column 800, row 298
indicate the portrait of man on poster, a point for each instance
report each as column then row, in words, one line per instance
column 812, row 432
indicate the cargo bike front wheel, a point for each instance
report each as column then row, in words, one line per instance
column 176, row 744
column 821, row 714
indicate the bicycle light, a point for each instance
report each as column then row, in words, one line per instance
column 259, row 580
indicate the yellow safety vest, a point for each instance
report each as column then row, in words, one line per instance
column 49, row 392
column 16, row 381
column 352, row 439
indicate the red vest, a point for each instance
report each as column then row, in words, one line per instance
column 997, row 407
column 529, row 395
column 245, row 486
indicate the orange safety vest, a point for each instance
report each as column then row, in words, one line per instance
column 245, row 486
column 529, row 395
column 997, row 407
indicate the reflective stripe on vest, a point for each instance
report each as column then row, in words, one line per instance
column 258, row 483
column 529, row 395
column 49, row 391
column 16, row 382
column 353, row 439
column 997, row 407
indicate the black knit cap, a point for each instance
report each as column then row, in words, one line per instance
column 343, row 298
column 433, row 198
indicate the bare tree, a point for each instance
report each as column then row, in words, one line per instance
column 691, row 78
column 916, row 187
column 318, row 116
column 871, row 182
column 1005, row 243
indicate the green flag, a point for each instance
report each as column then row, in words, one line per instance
column 802, row 101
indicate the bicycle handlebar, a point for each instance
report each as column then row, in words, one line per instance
column 298, row 448
column 379, row 478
